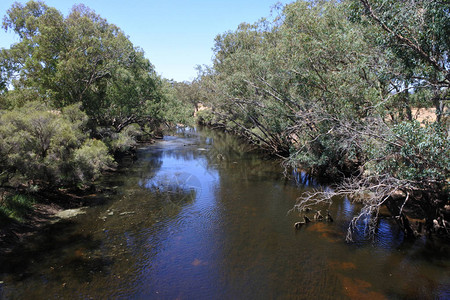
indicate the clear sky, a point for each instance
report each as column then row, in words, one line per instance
column 176, row 35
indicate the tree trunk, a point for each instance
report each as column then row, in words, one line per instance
column 394, row 206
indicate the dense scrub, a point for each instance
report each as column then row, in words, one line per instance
column 331, row 86
column 74, row 92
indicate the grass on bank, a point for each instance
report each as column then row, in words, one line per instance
column 15, row 208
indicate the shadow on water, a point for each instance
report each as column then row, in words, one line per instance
column 49, row 260
column 199, row 215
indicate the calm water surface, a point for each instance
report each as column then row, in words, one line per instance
column 198, row 216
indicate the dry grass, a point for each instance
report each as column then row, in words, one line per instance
column 424, row 114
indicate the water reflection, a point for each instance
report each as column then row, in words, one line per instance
column 200, row 216
column 303, row 179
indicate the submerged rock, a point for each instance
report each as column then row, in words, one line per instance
column 127, row 213
column 70, row 213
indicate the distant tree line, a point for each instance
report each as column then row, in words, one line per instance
column 74, row 91
column 334, row 88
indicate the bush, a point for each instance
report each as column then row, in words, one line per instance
column 15, row 207
column 205, row 117
column 417, row 153
column 126, row 139
column 42, row 148
column 91, row 159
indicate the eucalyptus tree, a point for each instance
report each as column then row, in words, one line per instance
column 290, row 83
column 189, row 93
column 331, row 86
column 418, row 34
column 330, row 71
column 72, row 90
column 80, row 58
column 244, row 102
column 406, row 164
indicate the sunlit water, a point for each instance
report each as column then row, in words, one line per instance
column 199, row 216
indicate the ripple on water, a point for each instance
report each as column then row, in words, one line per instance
column 210, row 226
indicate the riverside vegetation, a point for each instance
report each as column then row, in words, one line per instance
column 332, row 87
column 74, row 94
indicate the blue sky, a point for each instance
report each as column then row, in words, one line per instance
column 176, row 35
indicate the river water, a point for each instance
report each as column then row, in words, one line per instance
column 200, row 216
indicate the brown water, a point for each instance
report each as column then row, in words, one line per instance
column 198, row 216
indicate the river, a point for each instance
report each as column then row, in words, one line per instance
column 200, row 216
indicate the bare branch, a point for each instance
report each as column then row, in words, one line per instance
column 371, row 191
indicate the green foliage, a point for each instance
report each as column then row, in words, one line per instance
column 417, row 153
column 126, row 139
column 18, row 98
column 415, row 37
column 295, row 79
column 91, row 159
column 15, row 207
column 80, row 58
column 39, row 146
column 181, row 102
column 332, row 86
column 66, row 80
column 319, row 81
column 205, row 117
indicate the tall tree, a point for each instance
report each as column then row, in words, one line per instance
column 418, row 33
column 331, row 86
column 80, row 58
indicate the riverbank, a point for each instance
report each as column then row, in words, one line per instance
column 53, row 206
column 49, row 208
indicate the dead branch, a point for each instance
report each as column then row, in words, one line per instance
column 370, row 191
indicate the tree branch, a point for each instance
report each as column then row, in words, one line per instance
column 414, row 46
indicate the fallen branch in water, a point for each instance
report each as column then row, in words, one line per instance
column 371, row 192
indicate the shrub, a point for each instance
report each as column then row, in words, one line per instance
column 44, row 148
column 15, row 207
column 91, row 159
column 126, row 139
